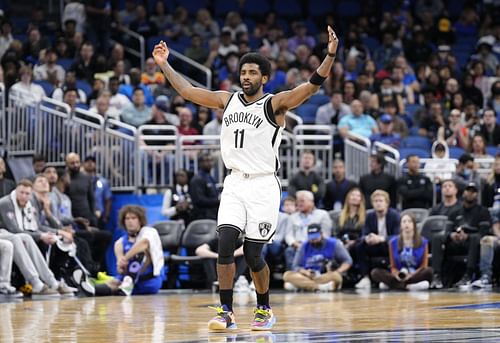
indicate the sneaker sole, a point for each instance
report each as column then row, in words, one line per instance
column 215, row 325
column 267, row 327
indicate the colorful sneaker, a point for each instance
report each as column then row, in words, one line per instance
column 264, row 318
column 127, row 285
column 102, row 278
column 224, row 320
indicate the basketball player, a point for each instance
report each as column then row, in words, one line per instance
column 250, row 136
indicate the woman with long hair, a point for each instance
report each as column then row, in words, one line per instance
column 352, row 218
column 409, row 258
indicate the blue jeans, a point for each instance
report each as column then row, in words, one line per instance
column 489, row 245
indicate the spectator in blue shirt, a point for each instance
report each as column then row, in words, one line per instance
column 135, row 82
column 386, row 134
column 102, row 191
column 357, row 122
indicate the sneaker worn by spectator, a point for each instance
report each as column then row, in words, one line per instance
column 64, row 289
column 241, row 285
column 419, row 286
column 326, row 287
column 382, row 286
column 45, row 291
column 289, row 286
column 364, row 283
column 127, row 285
column 436, row 282
column 484, row 282
column 465, row 282
column 8, row 290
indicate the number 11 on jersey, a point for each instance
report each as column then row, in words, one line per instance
column 241, row 133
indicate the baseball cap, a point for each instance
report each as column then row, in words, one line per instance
column 386, row 118
column 471, row 186
column 162, row 103
column 313, row 231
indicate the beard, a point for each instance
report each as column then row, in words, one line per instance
column 253, row 89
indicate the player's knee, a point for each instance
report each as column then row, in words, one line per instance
column 227, row 244
column 253, row 256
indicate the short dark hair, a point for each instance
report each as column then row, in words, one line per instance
column 136, row 89
column 379, row 157
column 261, row 61
column 39, row 158
column 139, row 211
column 411, row 156
column 465, row 158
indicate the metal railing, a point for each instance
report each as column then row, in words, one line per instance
column 391, row 158
column 3, row 114
column 21, row 125
column 141, row 53
column 200, row 67
column 53, row 130
column 357, row 156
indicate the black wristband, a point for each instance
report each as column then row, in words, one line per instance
column 317, row 79
column 332, row 54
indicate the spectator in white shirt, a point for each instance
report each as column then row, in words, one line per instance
column 44, row 71
column 25, row 90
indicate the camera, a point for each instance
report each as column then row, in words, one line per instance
column 403, row 272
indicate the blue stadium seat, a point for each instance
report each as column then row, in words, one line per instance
column 312, row 28
column 307, row 112
column 348, row 8
column 192, row 6
column 318, row 99
column 320, row 8
column 65, row 63
column 48, row 88
column 411, row 109
column 287, row 8
column 416, row 142
column 492, row 150
column 455, row 8
column 84, row 86
column 456, row 152
column 222, row 7
column 422, row 153
column 256, row 8
column 370, row 42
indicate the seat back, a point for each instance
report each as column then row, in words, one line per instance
column 199, row 232
column 420, row 214
column 170, row 234
column 434, row 225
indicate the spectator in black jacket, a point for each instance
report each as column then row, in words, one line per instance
column 380, row 226
column 80, row 190
column 377, row 179
column 414, row 188
column 6, row 185
column 337, row 189
column 490, row 130
column 203, row 191
column 491, row 188
column 307, row 179
column 466, row 227
column 449, row 201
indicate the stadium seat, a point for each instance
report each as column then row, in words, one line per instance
column 307, row 112
column 411, row 109
column 348, row 8
column 492, row 150
column 192, row 6
column 48, row 87
column 222, row 7
column 433, row 225
column 84, row 86
column 422, row 153
column 416, row 142
column 197, row 233
column 420, row 214
column 456, row 152
column 65, row 63
column 287, row 8
column 318, row 99
column 170, row 235
column 256, row 8
column 320, row 8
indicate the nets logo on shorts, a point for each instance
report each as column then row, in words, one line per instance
column 264, row 228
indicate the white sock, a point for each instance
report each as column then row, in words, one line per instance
column 36, row 285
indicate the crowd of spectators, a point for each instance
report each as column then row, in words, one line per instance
column 416, row 68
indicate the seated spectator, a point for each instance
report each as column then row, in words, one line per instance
column 22, row 227
column 234, row 24
column 209, row 253
column 80, row 190
column 465, row 228
column 274, row 252
column 490, row 130
column 319, row 263
column 485, row 54
column 357, row 122
column 409, row 258
column 351, row 220
column 69, row 83
column 205, row 26
column 137, row 112
column 139, row 256
column 49, row 69
column 102, row 191
column 6, row 259
column 142, row 24
column 386, row 133
column 400, row 121
column 491, row 189
column 332, row 112
column 387, row 51
column 337, row 189
column 289, row 206
column 6, row 185
column 186, row 125
column 85, row 65
column 377, row 179
column 489, row 248
column 196, row 51
column 25, row 91
column 226, row 44
column 39, row 162
column 465, row 172
column 151, row 76
column 430, row 124
column 214, row 126
column 102, row 107
column 400, row 87
column 440, row 167
column 380, row 226
column 478, row 151
column 203, row 190
column 494, row 101
column 307, row 178
column 386, row 95
column 296, row 232
column 135, row 82
column 177, row 203
column 414, row 188
column 300, row 38
column 455, row 133
column 449, row 201
column 160, row 17
column 6, row 37
column 33, row 45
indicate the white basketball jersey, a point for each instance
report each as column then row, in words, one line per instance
column 249, row 137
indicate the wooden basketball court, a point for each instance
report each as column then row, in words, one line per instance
column 302, row 317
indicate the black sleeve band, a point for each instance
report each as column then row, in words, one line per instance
column 317, row 79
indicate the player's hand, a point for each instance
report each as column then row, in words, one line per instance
column 333, row 41
column 160, row 53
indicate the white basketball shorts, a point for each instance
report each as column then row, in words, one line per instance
column 250, row 204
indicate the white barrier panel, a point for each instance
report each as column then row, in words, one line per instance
column 357, row 156
column 21, row 125
column 53, row 130
column 157, row 147
column 318, row 139
column 86, row 135
column 119, row 154
column 391, row 158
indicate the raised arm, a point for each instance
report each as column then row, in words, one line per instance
column 200, row 96
column 286, row 100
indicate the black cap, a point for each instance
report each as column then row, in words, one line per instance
column 472, row 186
column 313, row 231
